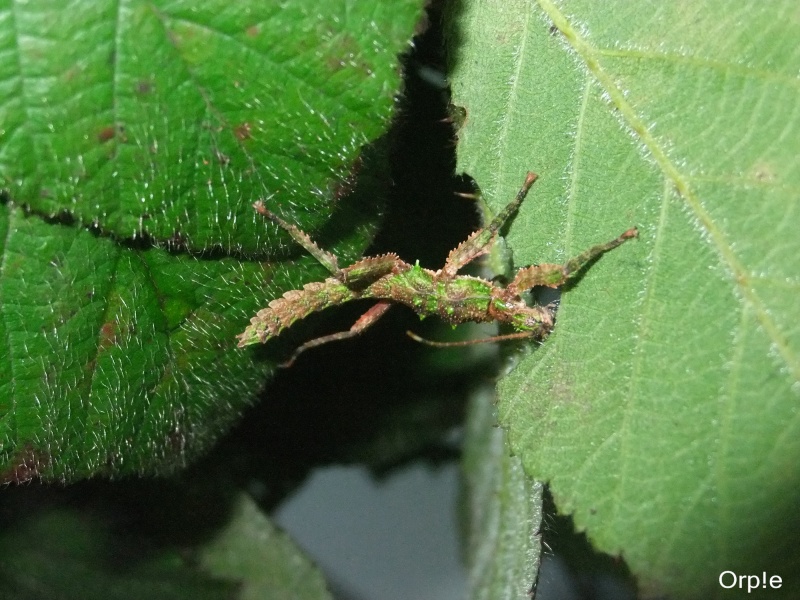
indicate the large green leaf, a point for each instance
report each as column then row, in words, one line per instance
column 663, row 409
column 503, row 510
column 168, row 119
column 262, row 558
column 53, row 551
column 165, row 120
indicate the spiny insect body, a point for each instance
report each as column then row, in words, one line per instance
column 443, row 293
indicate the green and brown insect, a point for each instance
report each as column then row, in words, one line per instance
column 443, row 293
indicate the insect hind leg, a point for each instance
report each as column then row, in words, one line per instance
column 325, row 258
column 364, row 321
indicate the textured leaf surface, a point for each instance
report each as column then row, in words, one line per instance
column 503, row 511
column 168, row 119
column 664, row 408
column 263, row 559
column 165, row 120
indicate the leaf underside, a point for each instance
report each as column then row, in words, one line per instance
column 663, row 409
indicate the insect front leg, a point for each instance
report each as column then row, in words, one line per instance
column 481, row 241
column 551, row 275
column 364, row 321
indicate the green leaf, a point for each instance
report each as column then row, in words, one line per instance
column 58, row 552
column 63, row 555
column 663, row 409
column 166, row 120
column 266, row 562
column 503, row 510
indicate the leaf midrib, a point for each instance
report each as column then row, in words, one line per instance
column 738, row 273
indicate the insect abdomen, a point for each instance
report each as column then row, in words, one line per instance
column 292, row 306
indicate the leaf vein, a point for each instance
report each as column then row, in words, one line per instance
column 738, row 273
column 730, row 67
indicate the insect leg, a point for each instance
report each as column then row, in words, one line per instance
column 480, row 241
column 495, row 338
column 364, row 321
column 327, row 259
column 551, row 275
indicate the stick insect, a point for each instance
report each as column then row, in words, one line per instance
column 443, row 293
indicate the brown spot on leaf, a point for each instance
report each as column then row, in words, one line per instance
column 25, row 466
column 106, row 133
column 253, row 31
column 242, row 131
column 108, row 335
column 110, row 132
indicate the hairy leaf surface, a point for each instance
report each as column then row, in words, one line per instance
column 663, row 410
column 158, row 124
